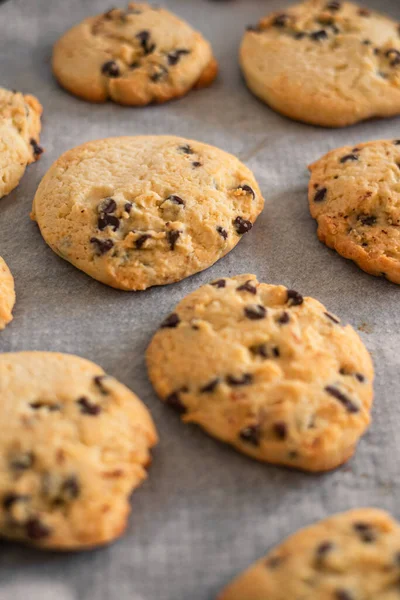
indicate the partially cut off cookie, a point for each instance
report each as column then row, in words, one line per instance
column 134, row 56
column 328, row 63
column 350, row 556
column 134, row 212
column 354, row 195
column 264, row 369
column 19, row 136
column 74, row 445
column 7, row 294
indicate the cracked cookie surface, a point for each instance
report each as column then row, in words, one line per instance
column 7, row 294
column 142, row 211
column 354, row 195
column 349, row 556
column 133, row 56
column 76, row 445
column 266, row 370
column 19, row 137
column 325, row 63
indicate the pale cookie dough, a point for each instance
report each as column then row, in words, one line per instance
column 134, row 212
column 7, row 294
column 354, row 196
column 328, row 63
column 133, row 56
column 351, row 556
column 19, row 136
column 266, row 370
column 74, row 445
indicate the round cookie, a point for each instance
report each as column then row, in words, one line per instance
column 264, row 369
column 354, row 197
column 133, row 56
column 349, row 556
column 19, row 137
column 75, row 446
column 7, row 294
column 328, row 63
column 134, row 212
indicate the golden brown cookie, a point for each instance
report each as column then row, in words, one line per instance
column 264, row 369
column 7, row 294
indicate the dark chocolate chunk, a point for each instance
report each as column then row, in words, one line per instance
column 320, row 195
column 175, row 56
column 318, row 35
column 70, row 489
column 255, row 312
column 172, row 237
column 342, row 594
column 186, row 149
column 196, row 164
column 294, row 298
column 159, row 72
column 333, row 6
column 10, row 499
column 110, row 69
column 210, row 386
column 281, row 430
column 276, row 352
column 144, row 39
column 280, row 20
column 22, row 461
column 365, row 532
column 98, row 381
column 102, row 246
column 323, row 549
column 394, row 56
column 37, row 150
column 251, row 435
column 39, row 404
column 245, row 379
column 175, row 200
column 222, row 232
column 343, row 399
column 87, row 407
column 171, row 321
column 128, row 207
column 134, row 65
column 246, row 188
column 259, row 350
column 220, row 283
column 108, row 206
column 332, row 317
column 35, row 529
column 368, row 220
column 242, row 225
column 360, row 377
column 396, row 142
column 107, row 221
column 174, row 401
column 141, row 240
column 248, row 286
column 367, row 42
column 348, row 157
column 284, row 318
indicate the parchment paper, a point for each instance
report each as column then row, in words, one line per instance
column 206, row 512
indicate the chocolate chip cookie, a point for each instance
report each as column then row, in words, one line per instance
column 74, row 445
column 355, row 198
column 133, row 56
column 349, row 556
column 7, row 294
column 325, row 63
column 134, row 212
column 19, row 134
column 266, row 370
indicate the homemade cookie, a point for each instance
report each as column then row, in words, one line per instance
column 74, row 445
column 324, row 62
column 354, row 195
column 139, row 211
column 266, row 370
column 133, row 56
column 350, row 556
column 19, row 136
column 7, row 294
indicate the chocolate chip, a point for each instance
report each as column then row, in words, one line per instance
column 50, row 407
column 251, row 435
column 323, row 549
column 284, row 318
column 134, row 65
column 280, row 20
column 276, row 352
column 318, row 35
column 175, row 200
column 159, row 72
column 102, row 246
column 107, row 206
column 144, row 39
column 365, row 532
column 245, row 379
column 255, row 312
column 196, row 164
column 171, row 321
column 10, row 499
column 107, row 221
column 320, row 195
column 87, row 407
column 175, row 56
column 98, row 381
column 22, row 461
column 367, row 42
column 394, row 56
column 172, row 237
column 343, row 399
column 343, row 595
column 70, row 489
column 396, row 142
column 360, row 377
column 35, row 529
column 209, row 387
column 141, row 240
column 333, row 6
column 222, row 232
column 242, row 225
column 332, row 317
column 220, row 283
column 348, row 157
column 259, row 350
column 186, row 149
column 281, row 430
column 174, row 401
column 367, row 220
column 110, row 69
column 294, row 298
column 246, row 188
column 128, row 207
column 248, row 286
column 274, row 562
column 37, row 150
column 364, row 12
